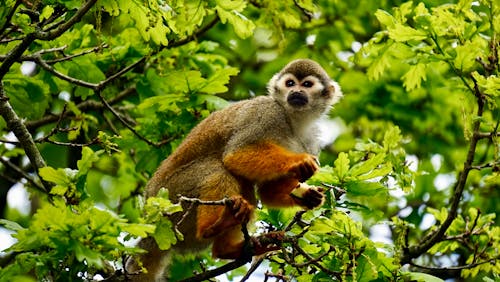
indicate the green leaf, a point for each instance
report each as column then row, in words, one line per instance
column 217, row 83
column 11, row 225
column 28, row 95
column 47, row 11
column 440, row 215
column 88, row 158
column 367, row 166
column 413, row 78
column 139, row 230
column 423, row 277
column 392, row 138
column 341, row 166
column 164, row 234
column 213, row 102
column 466, row 57
column 403, row 33
column 322, row 225
column 380, row 63
column 490, row 85
column 85, row 69
column 110, row 6
column 364, row 188
column 444, row 247
column 82, row 253
column 229, row 11
column 385, row 18
column 58, row 176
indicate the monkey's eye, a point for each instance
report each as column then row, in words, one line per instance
column 307, row 84
column 289, row 83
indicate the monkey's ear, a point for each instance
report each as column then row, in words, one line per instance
column 272, row 86
column 335, row 91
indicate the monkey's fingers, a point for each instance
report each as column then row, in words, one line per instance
column 241, row 209
column 308, row 196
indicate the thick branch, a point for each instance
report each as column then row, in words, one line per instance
column 15, row 124
column 217, row 271
column 15, row 54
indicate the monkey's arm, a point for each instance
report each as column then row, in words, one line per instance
column 266, row 161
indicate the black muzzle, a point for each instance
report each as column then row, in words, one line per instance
column 297, row 99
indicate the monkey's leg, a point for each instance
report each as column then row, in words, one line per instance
column 266, row 161
column 229, row 245
column 214, row 220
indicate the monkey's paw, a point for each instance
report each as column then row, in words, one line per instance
column 306, row 167
column 308, row 196
column 241, row 209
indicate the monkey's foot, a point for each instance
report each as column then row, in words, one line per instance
column 241, row 209
column 267, row 242
column 237, row 211
column 308, row 196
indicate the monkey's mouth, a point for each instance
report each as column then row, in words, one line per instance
column 297, row 99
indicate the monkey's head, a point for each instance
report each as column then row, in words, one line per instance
column 303, row 86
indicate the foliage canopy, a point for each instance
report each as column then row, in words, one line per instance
column 95, row 94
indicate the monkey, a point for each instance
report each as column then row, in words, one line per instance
column 267, row 145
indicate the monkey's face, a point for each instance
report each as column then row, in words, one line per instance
column 306, row 94
column 303, row 86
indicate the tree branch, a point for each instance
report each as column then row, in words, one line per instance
column 52, row 34
column 83, row 106
column 455, row 268
column 217, row 271
column 25, row 175
column 127, row 125
column 9, row 17
column 15, row 124
column 195, row 35
column 435, row 236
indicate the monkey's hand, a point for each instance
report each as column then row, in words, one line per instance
column 304, row 169
column 308, row 196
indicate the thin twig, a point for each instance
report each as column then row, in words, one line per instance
column 95, row 140
column 63, row 27
column 223, row 202
column 130, row 127
column 41, row 62
column 193, row 36
column 455, row 268
column 83, row 106
column 21, row 172
column 69, row 57
column 255, row 264
column 9, row 17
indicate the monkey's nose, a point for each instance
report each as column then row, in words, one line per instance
column 297, row 99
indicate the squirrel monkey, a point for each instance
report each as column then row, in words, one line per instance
column 268, row 144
